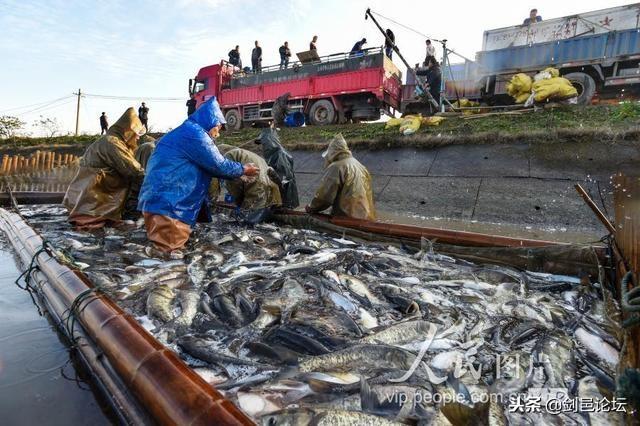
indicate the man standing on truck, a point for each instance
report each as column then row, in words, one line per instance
column 357, row 49
column 313, row 45
column 256, row 58
column 143, row 114
column 285, row 54
column 533, row 17
column 191, row 105
column 104, row 124
column 234, row 57
column 345, row 185
column 389, row 43
column 431, row 52
column 175, row 189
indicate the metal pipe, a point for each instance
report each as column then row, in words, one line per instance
column 171, row 392
column 404, row 61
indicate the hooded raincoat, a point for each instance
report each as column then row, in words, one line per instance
column 252, row 193
column 107, row 170
column 282, row 162
column 182, row 165
column 142, row 154
column 346, row 184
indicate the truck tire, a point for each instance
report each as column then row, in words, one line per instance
column 322, row 113
column 234, row 122
column 585, row 84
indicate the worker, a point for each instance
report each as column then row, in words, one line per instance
column 146, row 146
column 357, row 49
column 179, row 172
column 431, row 52
column 434, row 78
column 97, row 194
column 389, row 43
column 254, row 193
column 234, row 57
column 313, row 45
column 345, row 185
column 285, row 54
column 104, row 123
column 256, row 58
column 143, row 114
column 282, row 163
column 191, row 105
column 533, row 17
column 280, row 109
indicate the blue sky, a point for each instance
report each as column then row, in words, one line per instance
column 151, row 48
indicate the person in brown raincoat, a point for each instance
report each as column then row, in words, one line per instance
column 146, row 146
column 345, row 185
column 97, row 194
column 252, row 193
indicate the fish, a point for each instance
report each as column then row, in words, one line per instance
column 159, row 303
column 320, row 417
column 400, row 333
column 359, row 358
column 300, row 326
column 188, row 300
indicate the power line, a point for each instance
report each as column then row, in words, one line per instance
column 133, row 98
column 37, row 105
column 47, row 106
column 421, row 34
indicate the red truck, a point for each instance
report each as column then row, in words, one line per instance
column 337, row 88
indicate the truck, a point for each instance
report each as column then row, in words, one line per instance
column 338, row 88
column 598, row 51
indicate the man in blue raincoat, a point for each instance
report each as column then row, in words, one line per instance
column 178, row 176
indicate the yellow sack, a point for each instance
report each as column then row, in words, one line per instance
column 546, row 74
column 432, row 121
column 520, row 99
column 519, row 84
column 410, row 124
column 466, row 103
column 553, row 88
column 393, row 122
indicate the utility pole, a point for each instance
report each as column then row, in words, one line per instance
column 78, row 111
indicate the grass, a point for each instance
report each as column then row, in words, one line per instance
column 565, row 123
column 609, row 122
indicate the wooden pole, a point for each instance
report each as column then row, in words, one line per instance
column 78, row 112
column 5, row 164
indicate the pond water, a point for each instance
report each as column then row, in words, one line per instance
column 41, row 380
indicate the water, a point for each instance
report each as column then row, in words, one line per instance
column 40, row 380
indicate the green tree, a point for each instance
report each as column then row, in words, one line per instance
column 9, row 126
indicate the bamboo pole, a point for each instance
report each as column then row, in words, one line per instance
column 5, row 164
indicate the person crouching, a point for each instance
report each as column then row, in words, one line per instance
column 179, row 172
column 97, row 194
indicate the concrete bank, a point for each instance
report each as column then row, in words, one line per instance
column 519, row 189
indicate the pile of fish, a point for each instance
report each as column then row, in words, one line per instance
column 299, row 327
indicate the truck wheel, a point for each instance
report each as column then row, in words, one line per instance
column 322, row 112
column 234, row 122
column 584, row 84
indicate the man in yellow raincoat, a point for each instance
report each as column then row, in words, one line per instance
column 97, row 194
column 256, row 192
column 345, row 185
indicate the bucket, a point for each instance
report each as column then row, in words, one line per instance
column 295, row 119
